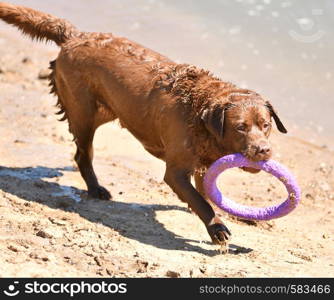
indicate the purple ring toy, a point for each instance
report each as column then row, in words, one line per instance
column 247, row 212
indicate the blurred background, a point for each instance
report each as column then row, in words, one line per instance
column 281, row 49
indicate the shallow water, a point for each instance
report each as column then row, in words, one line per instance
column 282, row 49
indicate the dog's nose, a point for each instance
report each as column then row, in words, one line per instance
column 264, row 150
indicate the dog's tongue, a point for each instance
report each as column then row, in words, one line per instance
column 251, row 170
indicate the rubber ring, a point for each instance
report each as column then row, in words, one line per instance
column 248, row 212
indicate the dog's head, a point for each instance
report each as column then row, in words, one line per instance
column 243, row 125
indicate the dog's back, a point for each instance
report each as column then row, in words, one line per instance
column 111, row 77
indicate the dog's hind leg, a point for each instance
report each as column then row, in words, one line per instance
column 84, row 116
column 83, row 157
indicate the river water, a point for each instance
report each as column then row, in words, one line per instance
column 282, row 49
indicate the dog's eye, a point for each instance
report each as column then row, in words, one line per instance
column 241, row 127
column 266, row 125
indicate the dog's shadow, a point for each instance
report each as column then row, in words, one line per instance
column 31, row 184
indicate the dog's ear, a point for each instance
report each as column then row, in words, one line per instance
column 213, row 119
column 278, row 122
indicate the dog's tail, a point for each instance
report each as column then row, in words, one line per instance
column 37, row 25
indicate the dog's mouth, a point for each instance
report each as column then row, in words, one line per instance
column 250, row 170
column 250, row 154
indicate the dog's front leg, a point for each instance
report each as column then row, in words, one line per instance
column 179, row 181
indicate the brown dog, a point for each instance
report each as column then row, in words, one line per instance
column 181, row 114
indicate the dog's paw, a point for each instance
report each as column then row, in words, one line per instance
column 99, row 192
column 219, row 233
